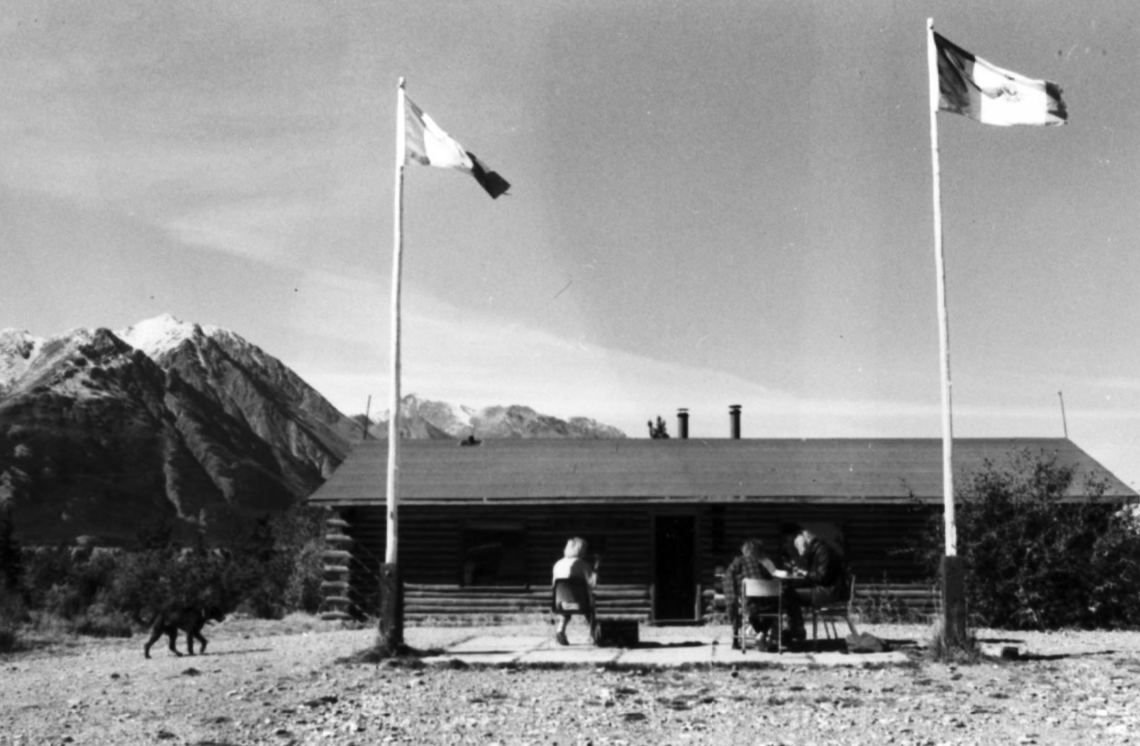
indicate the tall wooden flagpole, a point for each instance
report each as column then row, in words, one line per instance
column 953, row 596
column 391, row 589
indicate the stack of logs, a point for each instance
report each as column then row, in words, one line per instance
column 335, row 587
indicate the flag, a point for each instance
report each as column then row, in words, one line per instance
column 425, row 142
column 983, row 91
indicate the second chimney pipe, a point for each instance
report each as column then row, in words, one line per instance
column 734, row 417
column 683, row 424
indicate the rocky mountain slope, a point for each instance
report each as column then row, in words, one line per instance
column 109, row 433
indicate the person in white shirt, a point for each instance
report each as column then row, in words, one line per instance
column 572, row 565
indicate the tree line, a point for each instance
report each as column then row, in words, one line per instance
column 265, row 567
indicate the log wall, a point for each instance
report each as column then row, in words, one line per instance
column 875, row 538
column 913, row 602
column 432, row 549
column 427, row 602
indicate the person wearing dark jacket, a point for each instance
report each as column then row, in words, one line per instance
column 822, row 578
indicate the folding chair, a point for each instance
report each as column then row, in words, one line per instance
column 828, row 611
column 757, row 599
column 574, row 596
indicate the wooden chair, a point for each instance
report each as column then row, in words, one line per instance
column 828, row 611
column 762, row 593
column 574, row 596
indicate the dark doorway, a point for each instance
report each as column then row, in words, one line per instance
column 675, row 546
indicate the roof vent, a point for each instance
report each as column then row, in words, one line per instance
column 734, row 419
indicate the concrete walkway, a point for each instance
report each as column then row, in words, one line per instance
column 543, row 652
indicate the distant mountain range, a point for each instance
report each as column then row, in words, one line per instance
column 422, row 418
column 105, row 433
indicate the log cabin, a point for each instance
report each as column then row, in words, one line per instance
column 480, row 526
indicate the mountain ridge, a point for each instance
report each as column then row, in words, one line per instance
column 104, row 433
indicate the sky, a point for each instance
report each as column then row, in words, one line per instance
column 713, row 203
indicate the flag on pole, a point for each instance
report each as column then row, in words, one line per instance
column 983, row 91
column 426, row 143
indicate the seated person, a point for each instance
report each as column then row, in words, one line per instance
column 752, row 563
column 821, row 578
column 572, row 565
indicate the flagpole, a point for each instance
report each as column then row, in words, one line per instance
column 953, row 591
column 391, row 599
column 1064, row 422
column 394, row 401
column 943, row 316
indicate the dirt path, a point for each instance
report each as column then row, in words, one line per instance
column 255, row 687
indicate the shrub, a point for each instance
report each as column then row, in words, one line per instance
column 45, row 568
column 1036, row 558
column 278, row 565
column 99, row 620
column 145, row 580
column 269, row 567
column 1115, row 572
column 8, row 636
column 11, row 558
column 159, row 578
column 63, row 601
column 300, row 534
column 303, row 590
column 12, row 614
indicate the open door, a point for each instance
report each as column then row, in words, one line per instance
column 675, row 568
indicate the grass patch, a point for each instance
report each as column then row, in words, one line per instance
column 882, row 606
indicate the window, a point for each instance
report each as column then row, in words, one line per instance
column 494, row 554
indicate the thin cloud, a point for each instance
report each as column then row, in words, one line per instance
column 260, row 229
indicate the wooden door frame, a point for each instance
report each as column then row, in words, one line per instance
column 693, row 512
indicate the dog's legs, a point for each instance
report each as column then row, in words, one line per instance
column 153, row 639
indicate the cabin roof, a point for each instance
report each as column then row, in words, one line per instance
column 879, row 470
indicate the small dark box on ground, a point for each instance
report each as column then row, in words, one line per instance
column 616, row 633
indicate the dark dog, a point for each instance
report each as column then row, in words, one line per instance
column 189, row 619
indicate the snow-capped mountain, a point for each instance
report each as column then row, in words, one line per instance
column 192, row 427
column 108, row 433
column 162, row 334
column 423, row 418
column 17, row 349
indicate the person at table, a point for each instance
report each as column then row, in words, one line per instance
column 751, row 563
column 573, row 565
column 820, row 578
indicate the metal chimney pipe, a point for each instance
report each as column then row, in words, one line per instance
column 734, row 417
column 683, row 424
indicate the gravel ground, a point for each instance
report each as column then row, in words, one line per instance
column 282, row 684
